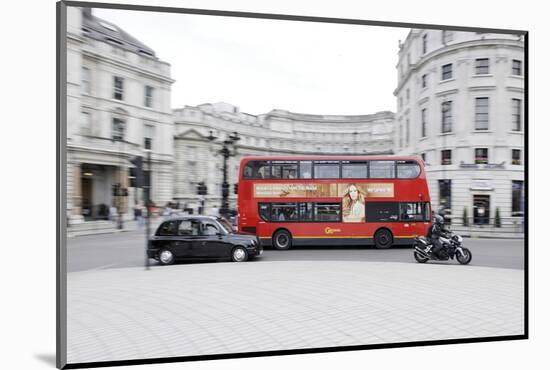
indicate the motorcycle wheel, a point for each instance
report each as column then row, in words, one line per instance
column 419, row 258
column 467, row 257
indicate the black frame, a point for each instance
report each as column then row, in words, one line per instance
column 61, row 174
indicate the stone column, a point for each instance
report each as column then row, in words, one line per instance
column 125, row 184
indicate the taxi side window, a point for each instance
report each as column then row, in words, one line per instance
column 188, row 228
column 209, row 229
column 167, row 229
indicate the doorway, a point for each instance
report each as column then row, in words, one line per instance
column 87, row 210
column 482, row 209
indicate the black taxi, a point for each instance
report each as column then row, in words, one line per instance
column 201, row 237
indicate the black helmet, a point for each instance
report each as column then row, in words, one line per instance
column 438, row 219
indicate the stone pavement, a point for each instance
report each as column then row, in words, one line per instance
column 216, row 308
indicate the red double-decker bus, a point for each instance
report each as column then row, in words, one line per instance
column 328, row 200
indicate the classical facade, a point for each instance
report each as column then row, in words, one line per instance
column 118, row 102
column 460, row 104
column 278, row 132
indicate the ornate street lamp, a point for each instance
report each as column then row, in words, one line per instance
column 228, row 150
column 118, row 190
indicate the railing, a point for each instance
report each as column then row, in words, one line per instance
column 506, row 227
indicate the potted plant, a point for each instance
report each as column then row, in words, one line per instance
column 465, row 217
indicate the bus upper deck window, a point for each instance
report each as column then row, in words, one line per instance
column 306, row 169
column 256, row 170
column 382, row 169
column 284, row 170
column 407, row 170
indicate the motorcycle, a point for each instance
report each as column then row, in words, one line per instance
column 452, row 247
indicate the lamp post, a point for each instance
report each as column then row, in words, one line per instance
column 148, row 207
column 226, row 152
column 118, row 189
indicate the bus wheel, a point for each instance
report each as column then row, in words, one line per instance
column 383, row 239
column 282, row 240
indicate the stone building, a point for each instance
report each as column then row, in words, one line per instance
column 460, row 105
column 278, row 132
column 118, row 102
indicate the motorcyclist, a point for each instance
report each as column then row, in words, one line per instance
column 434, row 234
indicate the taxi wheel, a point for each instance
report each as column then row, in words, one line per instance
column 239, row 254
column 166, row 257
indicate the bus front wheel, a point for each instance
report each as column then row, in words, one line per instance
column 282, row 240
column 383, row 239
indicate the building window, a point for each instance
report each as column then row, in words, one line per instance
column 517, row 198
column 148, row 96
column 482, row 114
column 516, row 114
column 85, row 80
column 516, row 156
column 86, row 123
column 446, row 157
column 408, row 95
column 482, row 66
column 446, row 36
column 424, row 81
column 118, row 129
column 447, row 117
column 148, row 135
column 445, row 194
column 118, row 91
column 400, row 136
column 400, row 102
column 481, row 156
column 423, row 123
column 423, row 155
column 408, row 59
column 447, row 71
column 516, row 68
column 425, row 43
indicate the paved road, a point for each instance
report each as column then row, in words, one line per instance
column 127, row 249
column 214, row 308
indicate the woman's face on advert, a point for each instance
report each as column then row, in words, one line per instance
column 353, row 192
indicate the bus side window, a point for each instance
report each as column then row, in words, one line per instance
column 256, row 170
column 408, row 170
column 284, row 171
column 381, row 169
column 264, row 211
column 306, row 169
column 306, row 211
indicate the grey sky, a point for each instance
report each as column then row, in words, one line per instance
column 261, row 65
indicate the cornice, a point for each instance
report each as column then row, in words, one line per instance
column 125, row 65
column 449, row 49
